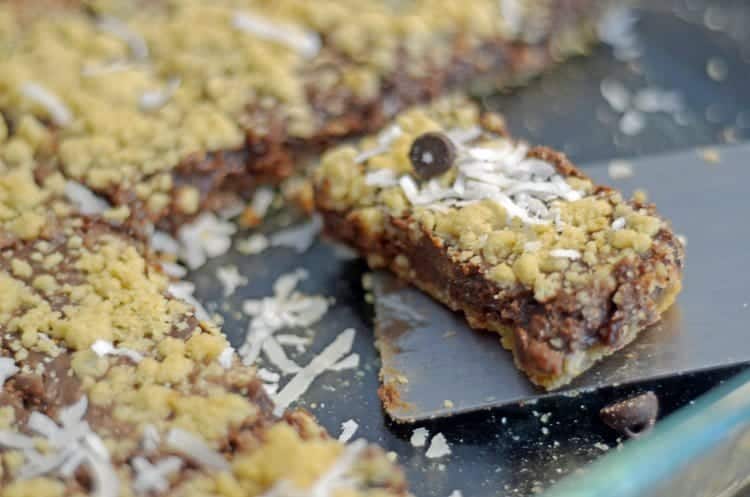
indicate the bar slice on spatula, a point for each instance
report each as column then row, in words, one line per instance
column 515, row 237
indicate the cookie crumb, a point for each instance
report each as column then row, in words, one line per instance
column 711, row 155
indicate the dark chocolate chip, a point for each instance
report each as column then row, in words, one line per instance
column 634, row 416
column 432, row 154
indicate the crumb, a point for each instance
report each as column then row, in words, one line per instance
column 711, row 155
column 449, row 334
column 640, row 196
column 367, row 282
column 402, row 379
column 632, row 123
column 620, row 169
column 448, row 404
column 717, row 69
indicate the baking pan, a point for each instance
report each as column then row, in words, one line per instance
column 565, row 109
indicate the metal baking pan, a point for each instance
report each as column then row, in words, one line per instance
column 511, row 451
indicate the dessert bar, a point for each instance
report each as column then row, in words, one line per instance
column 515, row 237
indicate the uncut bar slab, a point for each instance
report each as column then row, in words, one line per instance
column 112, row 387
column 517, row 238
column 175, row 108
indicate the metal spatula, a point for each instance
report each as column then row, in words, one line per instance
column 434, row 365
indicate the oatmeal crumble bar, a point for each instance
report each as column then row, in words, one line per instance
column 515, row 237
column 176, row 108
column 109, row 386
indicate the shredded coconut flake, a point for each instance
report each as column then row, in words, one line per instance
column 156, row 99
column 204, row 238
column 225, row 358
column 617, row 96
column 617, row 29
column 103, row 348
column 262, row 199
column 173, row 269
column 84, row 199
column 348, row 429
column 117, row 28
column 620, row 169
column 230, row 279
column 286, row 309
column 254, row 244
column 298, row 385
column 7, row 369
column 658, row 100
column 92, row 70
column 384, row 141
column 163, row 242
column 632, row 123
column 382, row 178
column 154, row 477
column 306, row 43
column 293, row 340
column 419, row 437
column 565, row 253
column 72, row 444
column 532, row 246
column 438, row 447
column 456, row 493
column 184, row 290
column 268, row 376
column 271, row 388
column 195, row 448
column 336, row 478
column 151, row 439
column 301, row 237
column 349, row 362
column 55, row 108
column 278, row 357
column 618, row 223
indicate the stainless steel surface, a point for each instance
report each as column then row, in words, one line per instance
column 444, row 360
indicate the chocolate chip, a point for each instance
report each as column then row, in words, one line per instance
column 432, row 154
column 634, row 416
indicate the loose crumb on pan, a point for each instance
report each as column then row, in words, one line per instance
column 620, row 169
column 711, row 155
